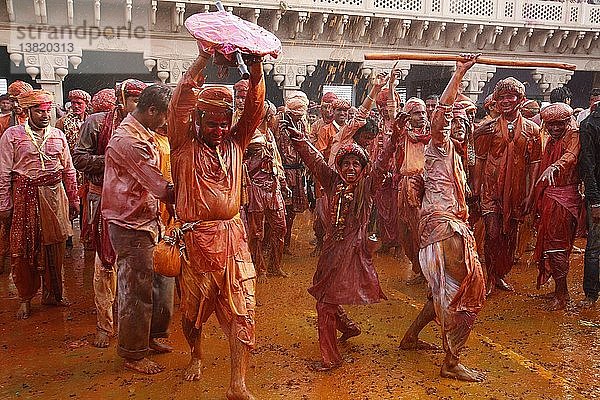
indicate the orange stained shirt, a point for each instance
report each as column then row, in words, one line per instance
column 208, row 182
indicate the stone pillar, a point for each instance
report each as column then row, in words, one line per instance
column 289, row 75
column 549, row 79
column 171, row 70
column 474, row 80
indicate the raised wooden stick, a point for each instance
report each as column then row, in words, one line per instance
column 480, row 60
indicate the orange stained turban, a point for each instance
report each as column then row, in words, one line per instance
column 215, row 99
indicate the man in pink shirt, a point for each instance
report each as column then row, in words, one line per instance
column 133, row 186
column 38, row 191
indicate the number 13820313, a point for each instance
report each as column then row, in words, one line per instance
column 46, row 47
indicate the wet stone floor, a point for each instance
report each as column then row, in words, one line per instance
column 527, row 353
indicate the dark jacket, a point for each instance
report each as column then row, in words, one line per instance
column 589, row 156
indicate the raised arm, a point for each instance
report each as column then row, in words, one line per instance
column 380, row 168
column 439, row 133
column 183, row 103
column 312, row 157
column 253, row 107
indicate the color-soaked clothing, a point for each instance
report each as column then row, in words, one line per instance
column 9, row 120
column 345, row 272
column 19, row 155
column 37, row 181
column 448, row 254
column 508, row 160
column 70, row 124
column 560, row 207
column 266, row 207
column 208, row 186
column 130, row 200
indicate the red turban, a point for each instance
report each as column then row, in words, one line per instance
column 18, row 87
column 556, row 112
column 129, row 88
column 215, row 99
column 466, row 102
column 80, row 94
column 384, row 96
column 412, row 103
column 297, row 103
column 341, row 104
column 104, row 100
column 354, row 149
column 459, row 111
column 35, row 98
column 242, row 84
column 328, row 98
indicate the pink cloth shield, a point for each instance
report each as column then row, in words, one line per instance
column 227, row 33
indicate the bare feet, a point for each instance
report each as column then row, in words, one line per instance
column 418, row 344
column 548, row 296
column 321, row 366
column 557, row 303
column 144, row 366
column 462, row 373
column 57, row 303
column 350, row 333
column 24, row 310
column 262, row 277
column 159, row 347
column 239, row 393
column 102, row 339
column 416, row 280
column 502, row 285
column 193, row 371
column 588, row 302
column 279, row 272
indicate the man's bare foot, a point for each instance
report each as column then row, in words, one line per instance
column 461, row 373
column 416, row 280
column 239, row 393
column 418, row 344
column 321, row 366
column 24, row 310
column 144, row 366
column 49, row 301
column 102, row 339
column 262, row 277
column 279, row 272
column 350, row 333
column 557, row 303
column 159, row 347
column 502, row 285
column 548, row 296
column 588, row 302
column 193, row 372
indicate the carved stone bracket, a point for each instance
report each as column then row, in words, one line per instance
column 475, row 80
column 549, row 78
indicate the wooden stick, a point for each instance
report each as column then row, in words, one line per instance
column 480, row 60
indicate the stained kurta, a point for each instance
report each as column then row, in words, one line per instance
column 208, row 184
column 37, row 181
column 345, row 273
column 294, row 172
column 448, row 252
column 559, row 206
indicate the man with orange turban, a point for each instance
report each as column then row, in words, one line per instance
column 206, row 165
column 507, row 164
column 71, row 123
column 38, row 191
column 17, row 116
column 558, row 202
column 88, row 158
column 326, row 115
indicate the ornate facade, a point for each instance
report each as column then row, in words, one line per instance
column 312, row 32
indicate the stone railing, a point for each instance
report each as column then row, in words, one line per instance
column 530, row 13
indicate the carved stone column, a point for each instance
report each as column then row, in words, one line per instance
column 290, row 75
column 474, row 80
column 549, row 78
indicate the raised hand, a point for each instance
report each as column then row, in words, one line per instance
column 469, row 59
column 381, row 79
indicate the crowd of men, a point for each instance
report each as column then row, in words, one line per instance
column 228, row 172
